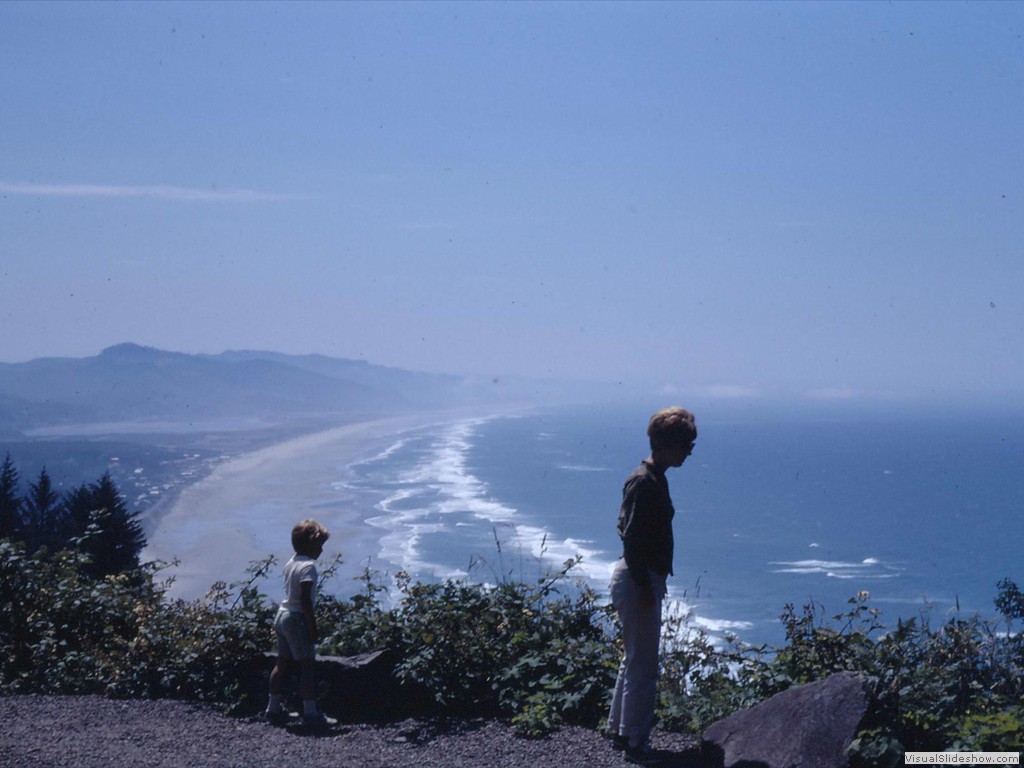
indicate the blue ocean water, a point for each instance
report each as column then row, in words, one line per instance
column 922, row 512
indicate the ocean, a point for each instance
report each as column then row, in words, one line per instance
column 921, row 511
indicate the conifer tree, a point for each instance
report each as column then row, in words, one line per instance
column 114, row 537
column 78, row 513
column 10, row 503
column 43, row 512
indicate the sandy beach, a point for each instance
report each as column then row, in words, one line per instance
column 245, row 508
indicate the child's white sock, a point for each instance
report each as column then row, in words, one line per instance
column 309, row 707
column 274, row 705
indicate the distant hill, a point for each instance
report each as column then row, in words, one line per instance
column 128, row 382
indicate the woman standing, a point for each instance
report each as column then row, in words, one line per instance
column 638, row 581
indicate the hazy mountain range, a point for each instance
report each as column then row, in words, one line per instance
column 128, row 382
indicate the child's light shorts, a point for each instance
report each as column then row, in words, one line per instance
column 293, row 639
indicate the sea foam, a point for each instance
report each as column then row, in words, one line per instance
column 437, row 507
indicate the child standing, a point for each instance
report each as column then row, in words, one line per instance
column 295, row 626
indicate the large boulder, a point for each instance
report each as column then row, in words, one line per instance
column 360, row 688
column 810, row 726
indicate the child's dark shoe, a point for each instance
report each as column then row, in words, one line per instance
column 318, row 722
column 276, row 719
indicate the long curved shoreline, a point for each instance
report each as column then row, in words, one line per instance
column 243, row 510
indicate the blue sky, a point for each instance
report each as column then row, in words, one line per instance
column 814, row 199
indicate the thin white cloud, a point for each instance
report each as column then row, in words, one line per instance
column 717, row 391
column 835, row 393
column 732, row 391
column 156, row 192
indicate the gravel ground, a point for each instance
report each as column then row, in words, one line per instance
column 93, row 732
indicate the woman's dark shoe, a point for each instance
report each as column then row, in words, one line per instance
column 618, row 741
column 642, row 755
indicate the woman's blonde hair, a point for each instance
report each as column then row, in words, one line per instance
column 306, row 534
column 671, row 426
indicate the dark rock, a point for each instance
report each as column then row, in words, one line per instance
column 810, row 726
column 360, row 688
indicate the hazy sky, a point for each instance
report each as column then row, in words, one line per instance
column 825, row 199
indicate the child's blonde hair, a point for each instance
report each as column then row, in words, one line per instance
column 308, row 533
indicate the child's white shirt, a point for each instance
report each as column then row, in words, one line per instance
column 298, row 570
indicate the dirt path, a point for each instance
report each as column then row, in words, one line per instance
column 93, row 732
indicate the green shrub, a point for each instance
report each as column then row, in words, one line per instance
column 199, row 649
column 65, row 632
column 60, row 630
column 991, row 732
column 361, row 624
column 539, row 653
column 956, row 686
